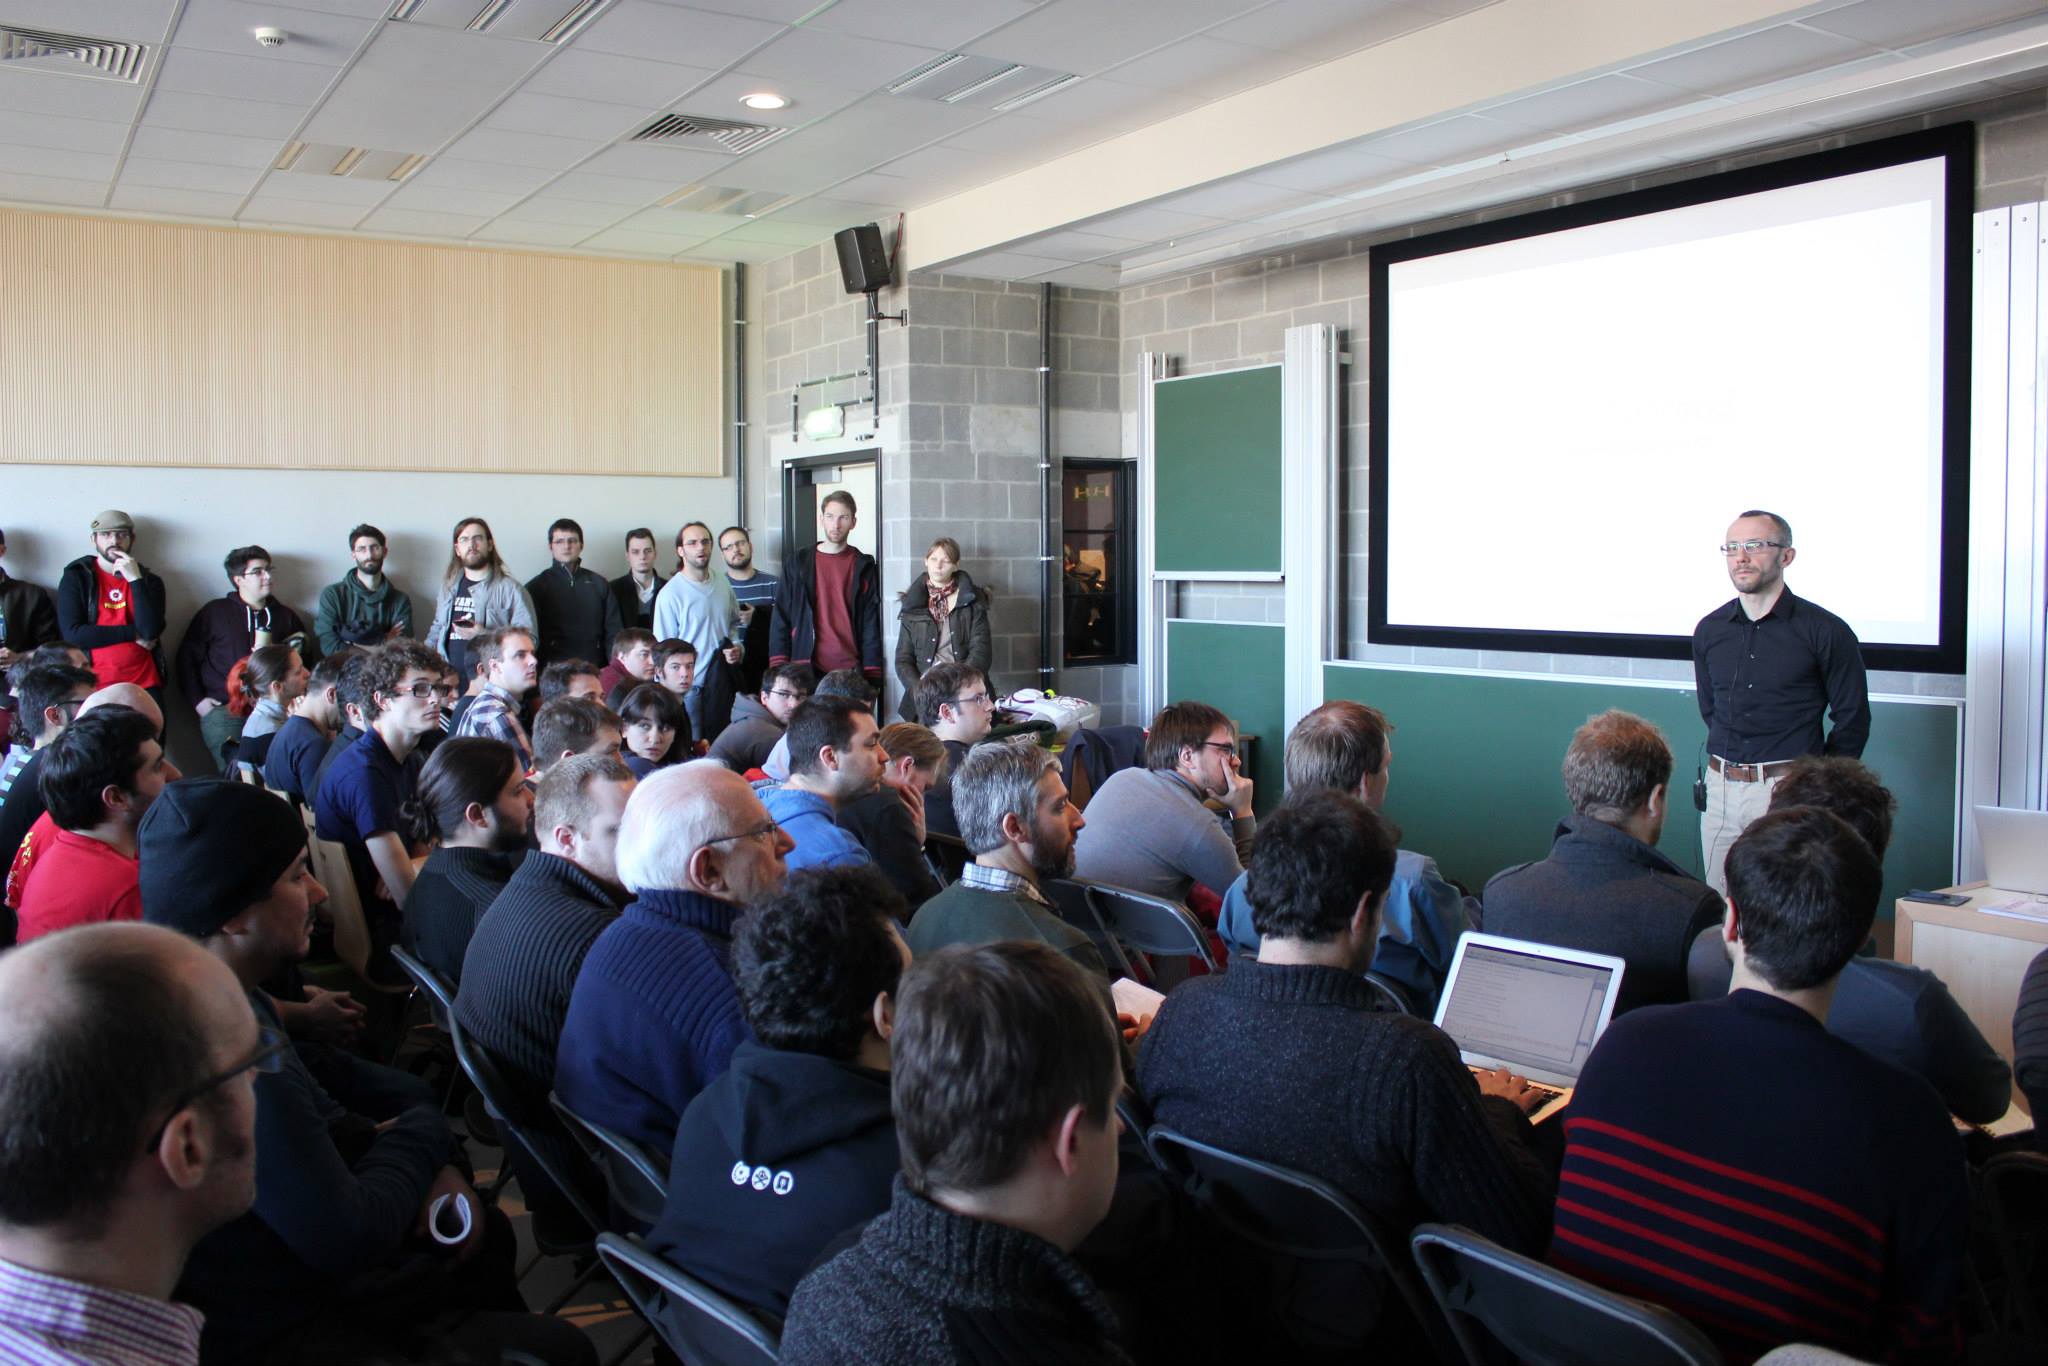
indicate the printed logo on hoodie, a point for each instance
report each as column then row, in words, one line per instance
column 763, row 1178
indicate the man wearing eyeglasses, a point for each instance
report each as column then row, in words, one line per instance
column 224, row 631
column 758, row 722
column 363, row 790
column 954, row 702
column 104, row 1189
column 1768, row 664
column 335, row 1251
column 654, row 1018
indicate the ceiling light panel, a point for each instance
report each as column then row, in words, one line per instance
column 355, row 163
column 540, row 21
column 978, row 82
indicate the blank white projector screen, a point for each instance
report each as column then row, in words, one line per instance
column 1573, row 419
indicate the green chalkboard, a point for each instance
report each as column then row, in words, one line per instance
column 1216, row 472
column 1241, row 670
column 1476, row 781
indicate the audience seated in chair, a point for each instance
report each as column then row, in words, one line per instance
column 1604, row 887
column 1735, row 1161
column 98, row 779
column 655, row 728
column 46, row 697
column 632, row 663
column 1005, row 1081
column 569, row 726
column 525, row 954
column 477, row 808
column 292, row 762
column 654, row 1018
column 1894, row 1011
column 1020, row 828
column 510, row 667
column 126, row 1058
column 848, row 683
column 1345, row 747
column 835, row 757
column 889, row 822
column 806, row 1100
column 330, row 1263
column 956, row 703
column 570, row 678
column 1148, row 829
column 1285, row 1059
column 363, row 792
column 39, row 834
column 2030, row 1044
column 758, row 722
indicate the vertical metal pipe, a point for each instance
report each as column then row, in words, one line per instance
column 739, row 392
column 1048, row 505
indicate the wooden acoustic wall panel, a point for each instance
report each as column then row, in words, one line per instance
column 136, row 343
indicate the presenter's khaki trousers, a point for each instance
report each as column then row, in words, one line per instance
column 1730, row 809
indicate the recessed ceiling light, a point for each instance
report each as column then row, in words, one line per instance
column 764, row 99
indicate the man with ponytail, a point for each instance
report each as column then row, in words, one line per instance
column 476, row 808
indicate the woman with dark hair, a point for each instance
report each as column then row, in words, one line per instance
column 262, row 688
column 473, row 804
column 944, row 620
column 657, row 729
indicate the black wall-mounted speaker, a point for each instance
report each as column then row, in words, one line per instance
column 863, row 260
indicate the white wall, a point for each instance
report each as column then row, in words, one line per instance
column 188, row 519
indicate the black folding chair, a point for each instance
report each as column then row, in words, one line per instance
column 1072, row 903
column 1151, row 924
column 439, row 995
column 1503, row 1305
column 1307, row 1222
column 699, row 1325
column 948, row 855
column 636, row 1177
column 2013, row 1195
column 1388, row 996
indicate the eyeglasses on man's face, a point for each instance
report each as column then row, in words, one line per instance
column 771, row 829
column 1732, row 548
column 787, row 695
column 268, row 1057
column 422, row 690
column 973, row 699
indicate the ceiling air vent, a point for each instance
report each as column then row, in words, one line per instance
column 979, row 82
column 99, row 58
column 707, row 134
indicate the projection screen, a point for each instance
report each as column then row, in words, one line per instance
column 1568, row 408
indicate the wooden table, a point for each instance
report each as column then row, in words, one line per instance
column 1981, row 957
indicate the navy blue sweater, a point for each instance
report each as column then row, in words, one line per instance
column 654, row 1017
column 1735, row 1161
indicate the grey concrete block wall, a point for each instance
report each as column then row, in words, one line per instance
column 1236, row 315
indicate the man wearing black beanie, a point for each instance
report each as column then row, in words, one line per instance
column 331, row 1253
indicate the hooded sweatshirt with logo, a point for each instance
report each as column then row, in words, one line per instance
column 774, row 1160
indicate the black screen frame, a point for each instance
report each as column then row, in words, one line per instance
column 1957, row 143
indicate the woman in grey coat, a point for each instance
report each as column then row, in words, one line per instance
column 944, row 619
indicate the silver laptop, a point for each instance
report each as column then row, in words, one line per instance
column 1534, row 1009
column 2015, row 844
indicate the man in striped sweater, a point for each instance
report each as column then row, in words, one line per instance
column 1735, row 1161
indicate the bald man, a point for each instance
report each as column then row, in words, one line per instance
column 654, row 1017
column 104, row 1189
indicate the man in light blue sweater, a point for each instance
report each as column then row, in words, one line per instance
column 835, row 755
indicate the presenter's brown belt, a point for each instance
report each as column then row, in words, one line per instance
column 1744, row 773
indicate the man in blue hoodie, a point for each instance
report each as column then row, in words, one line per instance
column 835, row 756
column 795, row 1144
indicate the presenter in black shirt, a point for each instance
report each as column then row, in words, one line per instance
column 1768, row 665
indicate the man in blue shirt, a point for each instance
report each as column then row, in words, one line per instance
column 835, row 755
column 1344, row 747
column 362, row 791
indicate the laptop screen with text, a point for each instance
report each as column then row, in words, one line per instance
column 1536, row 1014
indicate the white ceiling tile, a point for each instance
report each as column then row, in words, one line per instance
column 724, row 251
column 193, row 203
column 441, row 199
column 1770, row 54
column 682, row 223
column 248, row 77
column 1147, row 224
column 1087, row 36
column 1072, row 244
column 653, row 161
column 839, row 59
column 809, row 101
column 188, row 175
column 1586, row 104
column 55, row 161
column 834, row 213
column 781, row 11
column 582, row 213
column 640, row 243
column 1239, row 199
column 626, row 80
column 137, row 21
column 216, row 149
column 418, row 222
column 299, row 212
column 1450, row 9
column 416, row 87
column 642, row 28
column 787, row 234
column 1445, row 142
column 1325, row 28
column 942, row 23
column 212, row 114
column 45, row 92
column 795, row 169
column 562, row 117
column 935, row 172
column 530, row 234
column 522, row 149
column 1902, row 23
column 1324, row 172
column 230, row 26
column 40, row 189
column 71, row 135
column 1022, row 135
column 368, row 9
column 1207, row 68
column 325, row 189
column 593, row 188
column 456, row 173
column 1004, row 265
column 875, row 187
column 1110, row 105
column 420, row 52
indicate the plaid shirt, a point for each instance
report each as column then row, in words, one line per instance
column 1001, row 880
column 50, row 1321
column 495, row 716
